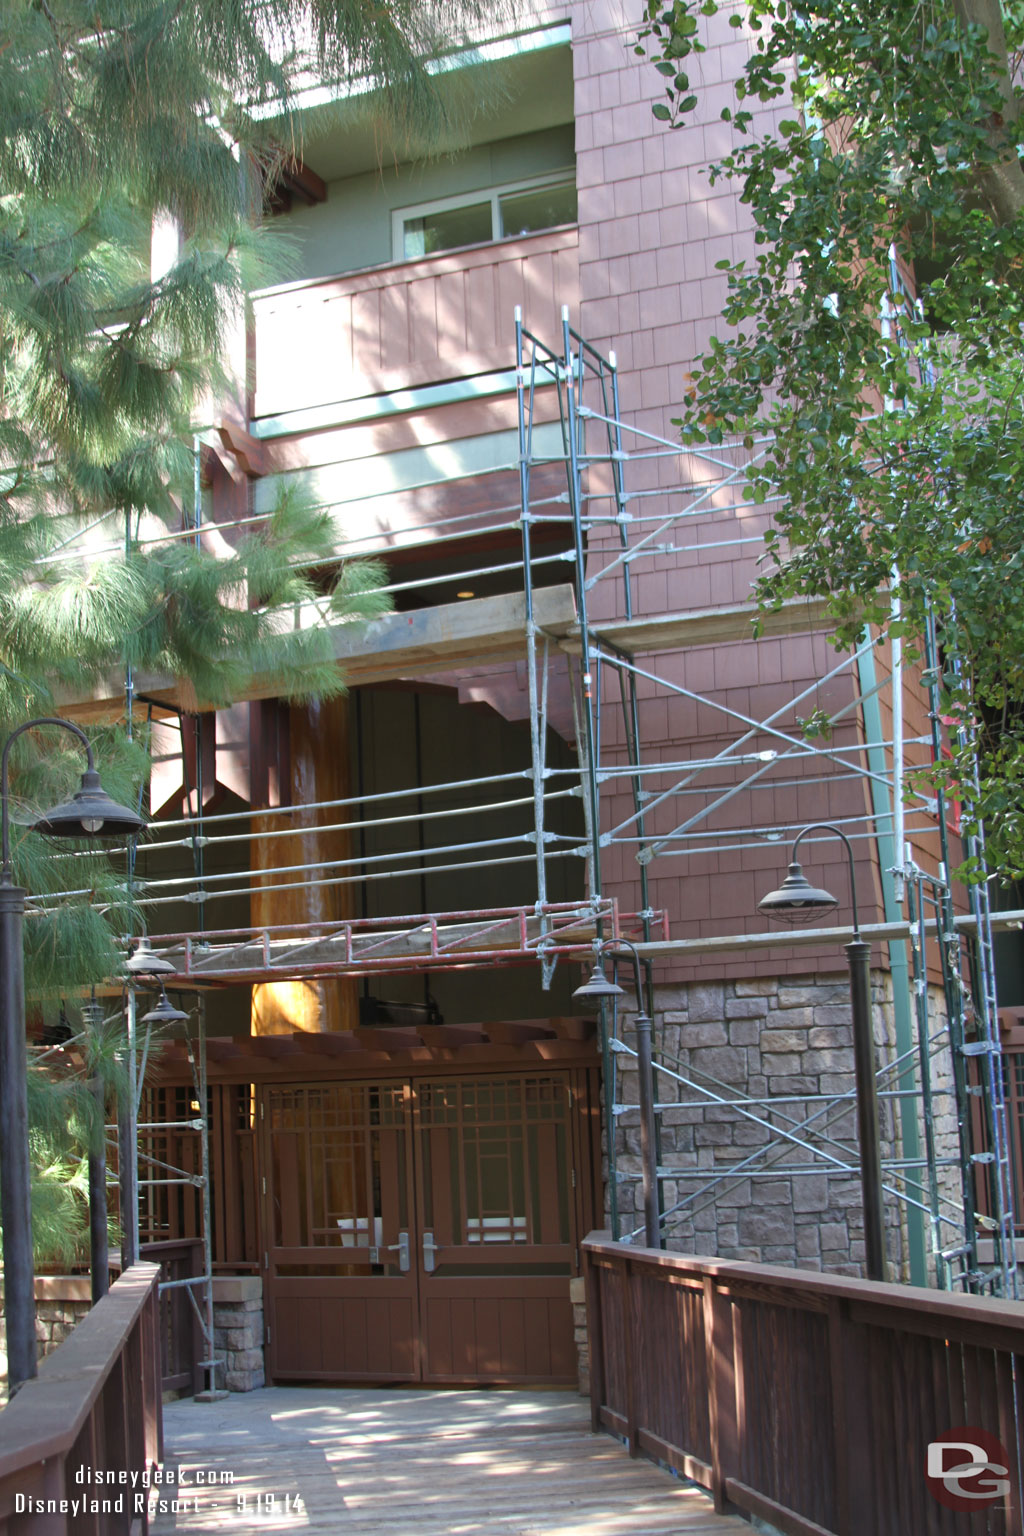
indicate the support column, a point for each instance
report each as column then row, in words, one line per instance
column 300, row 756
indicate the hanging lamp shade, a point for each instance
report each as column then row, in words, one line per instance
column 164, row 1012
column 144, row 961
column 89, row 813
column 598, row 985
column 797, row 900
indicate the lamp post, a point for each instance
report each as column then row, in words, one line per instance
column 89, row 813
column 600, row 986
column 797, row 900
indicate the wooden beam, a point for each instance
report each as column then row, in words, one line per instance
column 304, row 182
column 248, row 451
column 400, row 645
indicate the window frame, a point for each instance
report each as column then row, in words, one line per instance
column 493, row 195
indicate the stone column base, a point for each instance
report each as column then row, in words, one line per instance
column 238, row 1330
column 578, row 1297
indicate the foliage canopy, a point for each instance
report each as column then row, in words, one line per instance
column 877, row 332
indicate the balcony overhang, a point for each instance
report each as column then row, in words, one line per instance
column 400, row 645
column 705, row 626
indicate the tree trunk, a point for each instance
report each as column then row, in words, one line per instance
column 1002, row 184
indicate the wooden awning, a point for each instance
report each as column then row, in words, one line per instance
column 303, row 1055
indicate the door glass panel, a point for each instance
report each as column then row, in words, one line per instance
column 496, row 1172
column 337, row 1157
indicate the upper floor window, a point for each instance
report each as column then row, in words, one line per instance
column 521, row 208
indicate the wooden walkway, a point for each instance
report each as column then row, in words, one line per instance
column 361, row 1463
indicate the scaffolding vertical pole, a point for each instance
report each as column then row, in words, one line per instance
column 915, row 903
column 952, row 976
column 128, row 1139
column 128, row 1111
column 212, row 1393
column 898, row 760
column 889, row 858
column 537, row 744
column 575, row 504
column 992, row 1088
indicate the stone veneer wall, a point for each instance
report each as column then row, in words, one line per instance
column 768, row 1038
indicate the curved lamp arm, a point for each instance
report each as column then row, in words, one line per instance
column 826, row 826
column 29, row 725
column 610, row 944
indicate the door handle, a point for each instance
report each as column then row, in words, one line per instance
column 401, row 1248
column 430, row 1249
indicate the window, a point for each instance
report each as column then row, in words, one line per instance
column 476, row 217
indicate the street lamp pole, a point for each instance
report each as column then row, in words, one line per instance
column 89, row 813
column 15, row 1178
column 795, row 899
column 600, row 986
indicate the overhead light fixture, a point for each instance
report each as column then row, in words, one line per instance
column 599, row 985
column 164, row 1012
column 89, row 813
column 797, row 900
column 466, row 593
column 146, row 962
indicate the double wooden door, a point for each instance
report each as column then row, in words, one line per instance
column 425, row 1230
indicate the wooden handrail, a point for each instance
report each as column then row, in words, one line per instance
column 804, row 1399
column 95, row 1403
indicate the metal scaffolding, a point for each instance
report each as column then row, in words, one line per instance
column 689, row 508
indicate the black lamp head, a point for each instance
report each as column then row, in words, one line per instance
column 598, row 985
column 89, row 813
column 797, row 900
column 164, row 1012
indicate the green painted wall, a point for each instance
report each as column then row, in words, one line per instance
column 352, row 229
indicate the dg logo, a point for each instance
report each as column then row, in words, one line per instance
column 968, row 1469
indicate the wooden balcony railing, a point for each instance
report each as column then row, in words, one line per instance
column 419, row 322
column 181, row 1336
column 806, row 1400
column 94, row 1407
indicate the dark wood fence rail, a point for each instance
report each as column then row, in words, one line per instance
column 95, row 1406
column 804, row 1399
column 181, row 1336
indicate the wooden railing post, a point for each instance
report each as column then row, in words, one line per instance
column 840, row 1438
column 854, row 1422
column 152, row 1395
column 631, row 1350
column 719, row 1352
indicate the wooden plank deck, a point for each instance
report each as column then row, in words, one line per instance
column 462, row 1463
